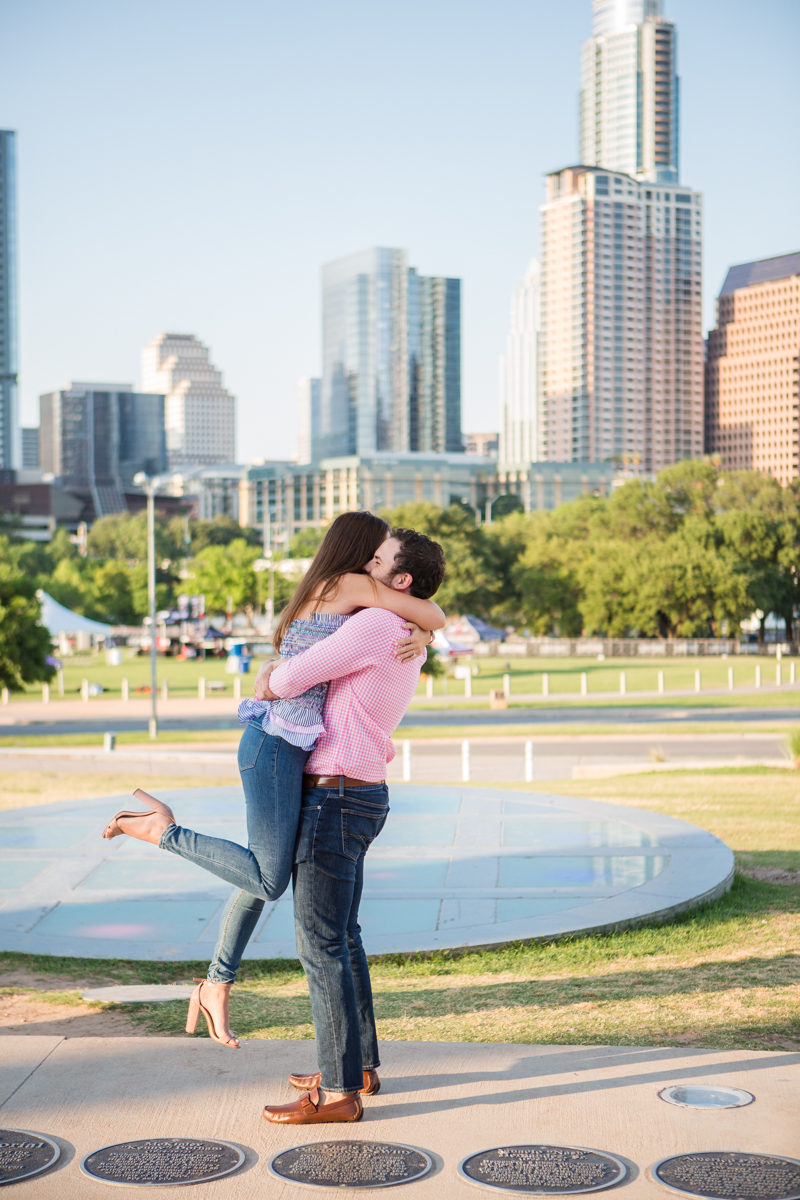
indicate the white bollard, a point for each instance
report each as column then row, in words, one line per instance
column 584, row 683
column 465, row 761
column 778, row 672
column 201, row 688
column 429, row 687
column 468, row 685
column 125, row 690
column 545, row 684
column 529, row 762
column 758, row 675
column 697, row 681
column 109, row 742
column 4, row 696
column 61, row 683
column 237, row 688
column 661, row 681
column 507, row 686
column 46, row 693
column 622, row 683
column 165, row 689
column 406, row 761
column 85, row 689
column 730, row 678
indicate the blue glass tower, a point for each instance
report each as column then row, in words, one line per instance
column 10, row 437
column 391, row 358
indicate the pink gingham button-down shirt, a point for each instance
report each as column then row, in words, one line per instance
column 369, row 693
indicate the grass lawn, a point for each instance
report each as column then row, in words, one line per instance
column 564, row 676
column 726, row 976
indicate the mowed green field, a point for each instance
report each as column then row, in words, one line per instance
column 527, row 674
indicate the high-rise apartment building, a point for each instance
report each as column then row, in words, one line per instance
column 391, row 357
column 94, row 437
column 753, row 360
column 621, row 344
column 519, row 417
column 629, row 100
column 10, row 438
column 200, row 414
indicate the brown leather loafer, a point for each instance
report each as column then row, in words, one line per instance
column 372, row 1084
column 309, row 1111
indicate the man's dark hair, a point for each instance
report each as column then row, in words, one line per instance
column 421, row 558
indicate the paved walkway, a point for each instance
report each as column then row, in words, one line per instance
column 449, row 1099
column 453, row 867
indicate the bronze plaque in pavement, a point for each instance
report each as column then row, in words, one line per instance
column 350, row 1164
column 543, row 1170
column 729, row 1175
column 159, row 1162
column 23, row 1153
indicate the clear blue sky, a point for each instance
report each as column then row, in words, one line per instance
column 188, row 166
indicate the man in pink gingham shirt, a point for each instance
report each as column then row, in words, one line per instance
column 345, row 805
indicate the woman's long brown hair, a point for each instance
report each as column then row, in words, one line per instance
column 347, row 547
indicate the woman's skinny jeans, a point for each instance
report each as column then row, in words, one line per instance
column 272, row 777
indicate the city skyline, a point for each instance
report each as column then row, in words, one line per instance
column 489, row 119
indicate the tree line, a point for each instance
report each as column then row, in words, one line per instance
column 690, row 554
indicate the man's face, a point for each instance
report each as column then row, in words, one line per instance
column 381, row 566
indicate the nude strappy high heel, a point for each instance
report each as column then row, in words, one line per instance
column 196, row 1007
column 113, row 829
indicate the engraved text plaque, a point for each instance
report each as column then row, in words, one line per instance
column 350, row 1164
column 543, row 1170
column 23, row 1153
column 727, row 1175
column 159, row 1162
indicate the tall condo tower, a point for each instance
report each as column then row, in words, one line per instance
column 10, row 436
column 621, row 342
column 519, row 425
column 391, row 353
column 629, row 91
column 199, row 413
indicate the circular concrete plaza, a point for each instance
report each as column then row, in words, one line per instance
column 453, row 867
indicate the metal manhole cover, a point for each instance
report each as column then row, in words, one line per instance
column 697, row 1096
column 23, row 1154
column 543, row 1170
column 350, row 1164
column 160, row 1162
column 728, row 1175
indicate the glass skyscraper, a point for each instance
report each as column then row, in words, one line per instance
column 10, row 436
column 94, row 437
column 391, row 358
column 629, row 92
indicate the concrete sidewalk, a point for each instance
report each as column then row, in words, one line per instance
column 450, row 1099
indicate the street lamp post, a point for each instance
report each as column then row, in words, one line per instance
column 149, row 485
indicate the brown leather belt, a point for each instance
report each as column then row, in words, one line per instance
column 334, row 781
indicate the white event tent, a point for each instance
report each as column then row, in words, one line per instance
column 58, row 619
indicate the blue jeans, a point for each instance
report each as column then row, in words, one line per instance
column 335, row 832
column 272, row 778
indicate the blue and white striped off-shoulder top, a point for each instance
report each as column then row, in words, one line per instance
column 298, row 721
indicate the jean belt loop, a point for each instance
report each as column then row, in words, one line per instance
column 341, row 785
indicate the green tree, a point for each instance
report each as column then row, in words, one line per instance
column 124, row 536
column 223, row 571
column 220, row 531
column 306, row 543
column 471, row 582
column 24, row 642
